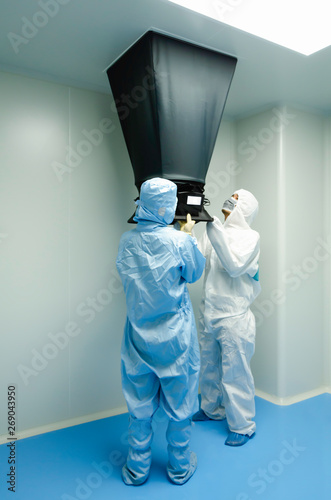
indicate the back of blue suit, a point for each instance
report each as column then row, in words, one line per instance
column 160, row 353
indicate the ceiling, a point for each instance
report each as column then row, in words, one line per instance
column 73, row 41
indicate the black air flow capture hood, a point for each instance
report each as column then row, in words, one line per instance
column 170, row 97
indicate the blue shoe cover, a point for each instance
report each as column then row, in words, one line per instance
column 235, row 439
column 182, row 478
column 200, row 416
column 132, row 479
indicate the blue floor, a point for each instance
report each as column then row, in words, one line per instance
column 288, row 459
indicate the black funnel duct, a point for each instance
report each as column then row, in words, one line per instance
column 170, row 96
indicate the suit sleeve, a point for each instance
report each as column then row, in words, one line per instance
column 203, row 244
column 193, row 262
column 237, row 256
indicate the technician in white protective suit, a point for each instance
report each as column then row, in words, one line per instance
column 227, row 325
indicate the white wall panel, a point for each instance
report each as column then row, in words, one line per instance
column 62, row 307
column 34, row 255
column 102, row 194
column 327, row 232
column 284, row 166
column 258, row 143
column 306, row 259
column 60, row 227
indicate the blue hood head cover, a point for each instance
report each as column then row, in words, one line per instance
column 157, row 202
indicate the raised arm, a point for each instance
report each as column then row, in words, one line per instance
column 238, row 253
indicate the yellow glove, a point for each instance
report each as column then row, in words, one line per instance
column 187, row 225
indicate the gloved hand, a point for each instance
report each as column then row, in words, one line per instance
column 188, row 225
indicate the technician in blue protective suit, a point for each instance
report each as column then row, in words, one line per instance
column 227, row 325
column 160, row 351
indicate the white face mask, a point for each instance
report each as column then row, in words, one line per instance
column 229, row 204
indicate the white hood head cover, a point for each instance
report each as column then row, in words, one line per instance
column 248, row 205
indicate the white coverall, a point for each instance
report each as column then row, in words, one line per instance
column 227, row 325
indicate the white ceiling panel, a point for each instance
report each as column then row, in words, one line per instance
column 73, row 41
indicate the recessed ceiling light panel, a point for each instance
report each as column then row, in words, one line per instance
column 299, row 25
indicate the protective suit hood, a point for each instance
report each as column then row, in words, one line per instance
column 157, row 202
column 248, row 205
